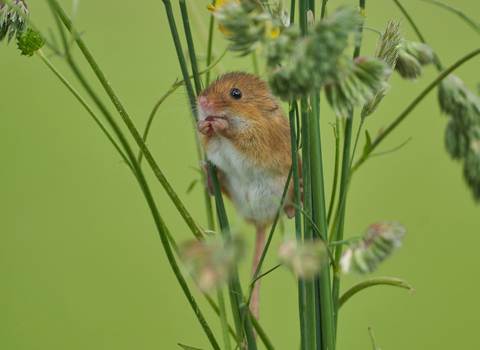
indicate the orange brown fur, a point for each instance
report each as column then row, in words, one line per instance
column 266, row 139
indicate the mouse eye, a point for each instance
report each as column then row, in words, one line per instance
column 236, row 94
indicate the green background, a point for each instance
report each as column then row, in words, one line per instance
column 81, row 263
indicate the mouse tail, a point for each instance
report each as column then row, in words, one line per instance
column 259, row 246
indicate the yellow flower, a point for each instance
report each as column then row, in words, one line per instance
column 274, row 32
column 219, row 4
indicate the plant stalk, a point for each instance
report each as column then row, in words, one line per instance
column 346, row 163
column 307, row 228
column 298, row 224
column 320, row 218
column 210, row 43
column 191, row 47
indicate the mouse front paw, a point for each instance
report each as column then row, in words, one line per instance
column 221, row 127
column 205, row 128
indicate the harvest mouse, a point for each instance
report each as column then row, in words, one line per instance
column 246, row 136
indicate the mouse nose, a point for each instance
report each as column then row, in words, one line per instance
column 204, row 102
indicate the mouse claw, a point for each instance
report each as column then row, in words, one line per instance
column 209, row 185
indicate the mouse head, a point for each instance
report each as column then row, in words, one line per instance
column 237, row 96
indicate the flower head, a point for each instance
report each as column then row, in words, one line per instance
column 422, row 52
column 462, row 136
column 219, row 4
column 11, row 22
column 247, row 24
column 412, row 57
column 315, row 59
column 380, row 241
column 209, row 262
column 305, row 259
column 356, row 84
column 28, row 42
column 388, row 50
column 408, row 66
column 458, row 101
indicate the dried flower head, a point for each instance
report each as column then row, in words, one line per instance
column 11, row 22
column 209, row 262
column 305, row 259
column 379, row 242
column 387, row 49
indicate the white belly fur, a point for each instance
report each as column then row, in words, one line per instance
column 254, row 193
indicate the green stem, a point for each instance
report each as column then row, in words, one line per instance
column 336, row 131
column 292, row 12
column 217, row 311
column 324, row 8
column 412, row 105
column 210, row 43
column 302, row 13
column 87, row 107
column 180, row 56
column 307, row 228
column 191, row 47
column 298, row 223
column 320, row 217
column 126, row 118
column 266, row 273
column 223, row 318
column 374, row 282
column 346, row 163
column 261, row 333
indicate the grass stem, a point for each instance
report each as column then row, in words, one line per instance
column 346, row 164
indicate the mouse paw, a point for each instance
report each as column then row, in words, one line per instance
column 220, row 126
column 205, row 127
